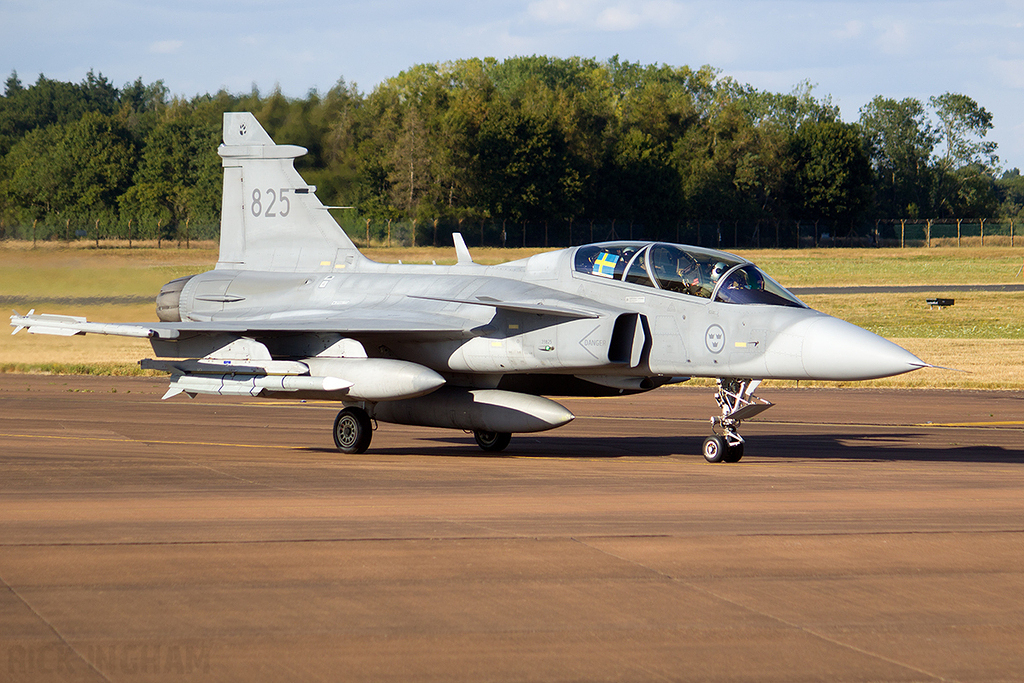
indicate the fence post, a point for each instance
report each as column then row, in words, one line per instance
column 903, row 233
column 928, row 232
column 958, row 232
column 1011, row 232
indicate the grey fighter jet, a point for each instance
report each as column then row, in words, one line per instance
column 293, row 310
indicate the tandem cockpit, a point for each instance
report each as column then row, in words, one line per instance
column 702, row 273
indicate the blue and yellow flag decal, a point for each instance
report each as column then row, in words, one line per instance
column 605, row 264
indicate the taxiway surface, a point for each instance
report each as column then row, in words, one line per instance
column 865, row 535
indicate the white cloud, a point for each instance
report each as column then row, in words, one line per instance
column 559, row 11
column 602, row 15
column 165, row 47
column 894, row 38
column 618, row 18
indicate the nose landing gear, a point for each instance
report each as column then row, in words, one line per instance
column 736, row 399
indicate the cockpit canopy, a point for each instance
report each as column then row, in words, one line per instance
column 692, row 271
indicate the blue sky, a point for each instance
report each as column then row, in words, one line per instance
column 851, row 50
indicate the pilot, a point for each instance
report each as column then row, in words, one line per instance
column 717, row 271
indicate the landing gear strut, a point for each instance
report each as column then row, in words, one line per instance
column 736, row 399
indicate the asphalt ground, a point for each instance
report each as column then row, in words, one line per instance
column 867, row 535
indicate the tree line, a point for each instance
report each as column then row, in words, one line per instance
column 525, row 141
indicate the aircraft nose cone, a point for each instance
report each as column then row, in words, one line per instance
column 834, row 349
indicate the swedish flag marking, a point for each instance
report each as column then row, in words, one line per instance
column 605, row 264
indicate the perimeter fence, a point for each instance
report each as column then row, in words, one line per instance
column 714, row 233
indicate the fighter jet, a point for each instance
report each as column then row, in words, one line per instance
column 292, row 309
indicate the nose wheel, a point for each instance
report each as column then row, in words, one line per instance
column 736, row 399
column 718, row 449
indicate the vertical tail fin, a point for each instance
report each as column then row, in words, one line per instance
column 270, row 218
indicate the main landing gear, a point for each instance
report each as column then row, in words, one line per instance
column 736, row 399
column 353, row 430
column 492, row 441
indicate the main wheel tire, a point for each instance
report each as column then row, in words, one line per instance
column 734, row 453
column 352, row 430
column 715, row 448
column 492, row 441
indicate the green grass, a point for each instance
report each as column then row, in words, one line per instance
column 101, row 369
column 77, row 272
column 891, row 267
column 975, row 315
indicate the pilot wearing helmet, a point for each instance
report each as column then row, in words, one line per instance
column 713, row 276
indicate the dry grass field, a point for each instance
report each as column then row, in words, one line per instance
column 982, row 336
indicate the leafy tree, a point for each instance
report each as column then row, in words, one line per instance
column 832, row 176
column 96, row 159
column 525, row 138
column 900, row 141
column 1010, row 188
column 964, row 183
column 179, row 175
column 13, row 86
column 789, row 111
column 523, row 168
column 963, row 125
column 82, row 167
column 31, row 177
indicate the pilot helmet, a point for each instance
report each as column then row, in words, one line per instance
column 718, row 270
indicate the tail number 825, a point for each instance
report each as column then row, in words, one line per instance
column 271, row 204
